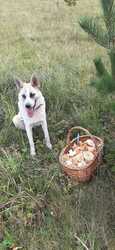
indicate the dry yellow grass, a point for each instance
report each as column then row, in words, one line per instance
column 38, row 34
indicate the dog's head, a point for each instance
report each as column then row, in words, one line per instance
column 29, row 94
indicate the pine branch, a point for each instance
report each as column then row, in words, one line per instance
column 93, row 28
column 109, row 18
column 112, row 59
column 112, row 24
column 104, row 84
column 100, row 67
column 105, row 81
column 107, row 6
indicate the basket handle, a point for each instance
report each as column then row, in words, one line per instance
column 76, row 128
column 101, row 144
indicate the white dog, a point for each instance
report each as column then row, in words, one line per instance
column 32, row 111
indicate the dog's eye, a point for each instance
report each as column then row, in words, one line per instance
column 32, row 95
column 24, row 96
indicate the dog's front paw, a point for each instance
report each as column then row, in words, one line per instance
column 49, row 145
column 33, row 153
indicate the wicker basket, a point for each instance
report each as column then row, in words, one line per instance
column 83, row 174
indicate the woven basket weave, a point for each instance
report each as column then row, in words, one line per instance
column 84, row 174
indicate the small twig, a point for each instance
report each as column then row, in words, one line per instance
column 112, row 3
column 82, row 243
column 10, row 202
column 8, row 208
column 32, row 198
column 48, row 185
column 16, row 248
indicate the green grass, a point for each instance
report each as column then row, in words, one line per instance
column 40, row 208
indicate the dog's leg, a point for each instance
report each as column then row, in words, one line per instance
column 46, row 134
column 30, row 138
column 18, row 122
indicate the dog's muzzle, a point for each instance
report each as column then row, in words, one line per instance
column 28, row 106
column 29, row 110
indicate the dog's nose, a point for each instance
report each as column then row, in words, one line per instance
column 28, row 106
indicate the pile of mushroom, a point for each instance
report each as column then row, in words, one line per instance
column 80, row 154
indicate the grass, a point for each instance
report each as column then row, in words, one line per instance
column 40, row 208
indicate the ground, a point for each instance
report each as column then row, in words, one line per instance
column 40, row 208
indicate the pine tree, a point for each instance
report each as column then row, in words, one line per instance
column 104, row 34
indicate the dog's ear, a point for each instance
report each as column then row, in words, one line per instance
column 19, row 83
column 35, row 81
